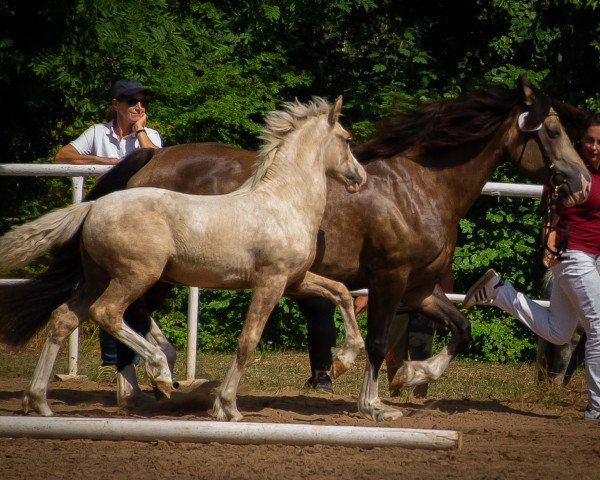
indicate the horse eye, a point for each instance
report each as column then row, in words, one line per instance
column 553, row 132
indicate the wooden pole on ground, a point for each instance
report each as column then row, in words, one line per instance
column 238, row 433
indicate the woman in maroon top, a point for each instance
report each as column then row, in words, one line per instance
column 575, row 293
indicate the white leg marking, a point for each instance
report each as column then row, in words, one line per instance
column 34, row 397
column 426, row 371
column 369, row 403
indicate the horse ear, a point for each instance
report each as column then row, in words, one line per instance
column 526, row 90
column 334, row 112
column 537, row 103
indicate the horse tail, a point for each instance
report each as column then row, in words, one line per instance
column 25, row 307
column 23, row 244
column 547, row 281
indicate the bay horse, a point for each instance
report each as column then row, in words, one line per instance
column 262, row 236
column 396, row 237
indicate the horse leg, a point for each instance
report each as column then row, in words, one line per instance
column 578, row 354
column 396, row 346
column 157, row 337
column 439, row 309
column 545, row 356
column 263, row 300
column 565, row 359
column 108, row 312
column 382, row 307
column 128, row 391
column 63, row 321
column 137, row 316
column 337, row 293
column 420, row 344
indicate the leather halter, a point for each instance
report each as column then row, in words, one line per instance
column 556, row 180
column 550, row 219
column 536, row 135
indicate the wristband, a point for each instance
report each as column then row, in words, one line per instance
column 138, row 132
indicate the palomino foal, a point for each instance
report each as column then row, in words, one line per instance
column 261, row 236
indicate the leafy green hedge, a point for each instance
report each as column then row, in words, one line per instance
column 496, row 337
column 220, row 321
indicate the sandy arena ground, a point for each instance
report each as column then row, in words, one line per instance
column 500, row 440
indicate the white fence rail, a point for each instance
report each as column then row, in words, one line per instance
column 80, row 171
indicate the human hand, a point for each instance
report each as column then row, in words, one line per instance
column 140, row 123
column 549, row 259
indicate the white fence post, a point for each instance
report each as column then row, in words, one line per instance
column 192, row 340
column 73, row 366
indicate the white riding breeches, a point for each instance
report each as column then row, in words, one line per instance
column 575, row 298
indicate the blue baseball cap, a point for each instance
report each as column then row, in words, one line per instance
column 127, row 87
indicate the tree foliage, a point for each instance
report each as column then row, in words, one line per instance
column 218, row 67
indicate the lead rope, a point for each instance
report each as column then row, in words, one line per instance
column 550, row 219
column 550, row 222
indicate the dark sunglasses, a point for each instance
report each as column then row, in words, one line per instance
column 134, row 101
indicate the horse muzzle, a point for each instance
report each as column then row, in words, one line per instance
column 575, row 198
column 356, row 180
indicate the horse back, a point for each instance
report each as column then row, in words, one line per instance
column 200, row 168
column 118, row 176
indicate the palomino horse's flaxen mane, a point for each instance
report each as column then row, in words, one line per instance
column 443, row 124
column 278, row 125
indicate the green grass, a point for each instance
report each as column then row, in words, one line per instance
column 276, row 371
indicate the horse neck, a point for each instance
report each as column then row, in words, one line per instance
column 295, row 174
column 457, row 176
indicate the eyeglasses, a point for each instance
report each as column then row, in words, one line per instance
column 132, row 101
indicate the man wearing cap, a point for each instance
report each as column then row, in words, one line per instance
column 107, row 143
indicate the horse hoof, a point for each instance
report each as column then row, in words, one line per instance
column 391, row 414
column 343, row 359
column 382, row 414
column 236, row 417
column 404, row 377
column 38, row 406
column 222, row 414
column 165, row 388
column 337, row 369
column 226, row 416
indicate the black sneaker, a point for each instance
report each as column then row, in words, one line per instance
column 321, row 383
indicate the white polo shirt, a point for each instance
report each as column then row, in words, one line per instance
column 101, row 140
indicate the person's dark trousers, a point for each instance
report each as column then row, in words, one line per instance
column 114, row 352
column 322, row 335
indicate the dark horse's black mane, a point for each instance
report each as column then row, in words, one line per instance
column 445, row 123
